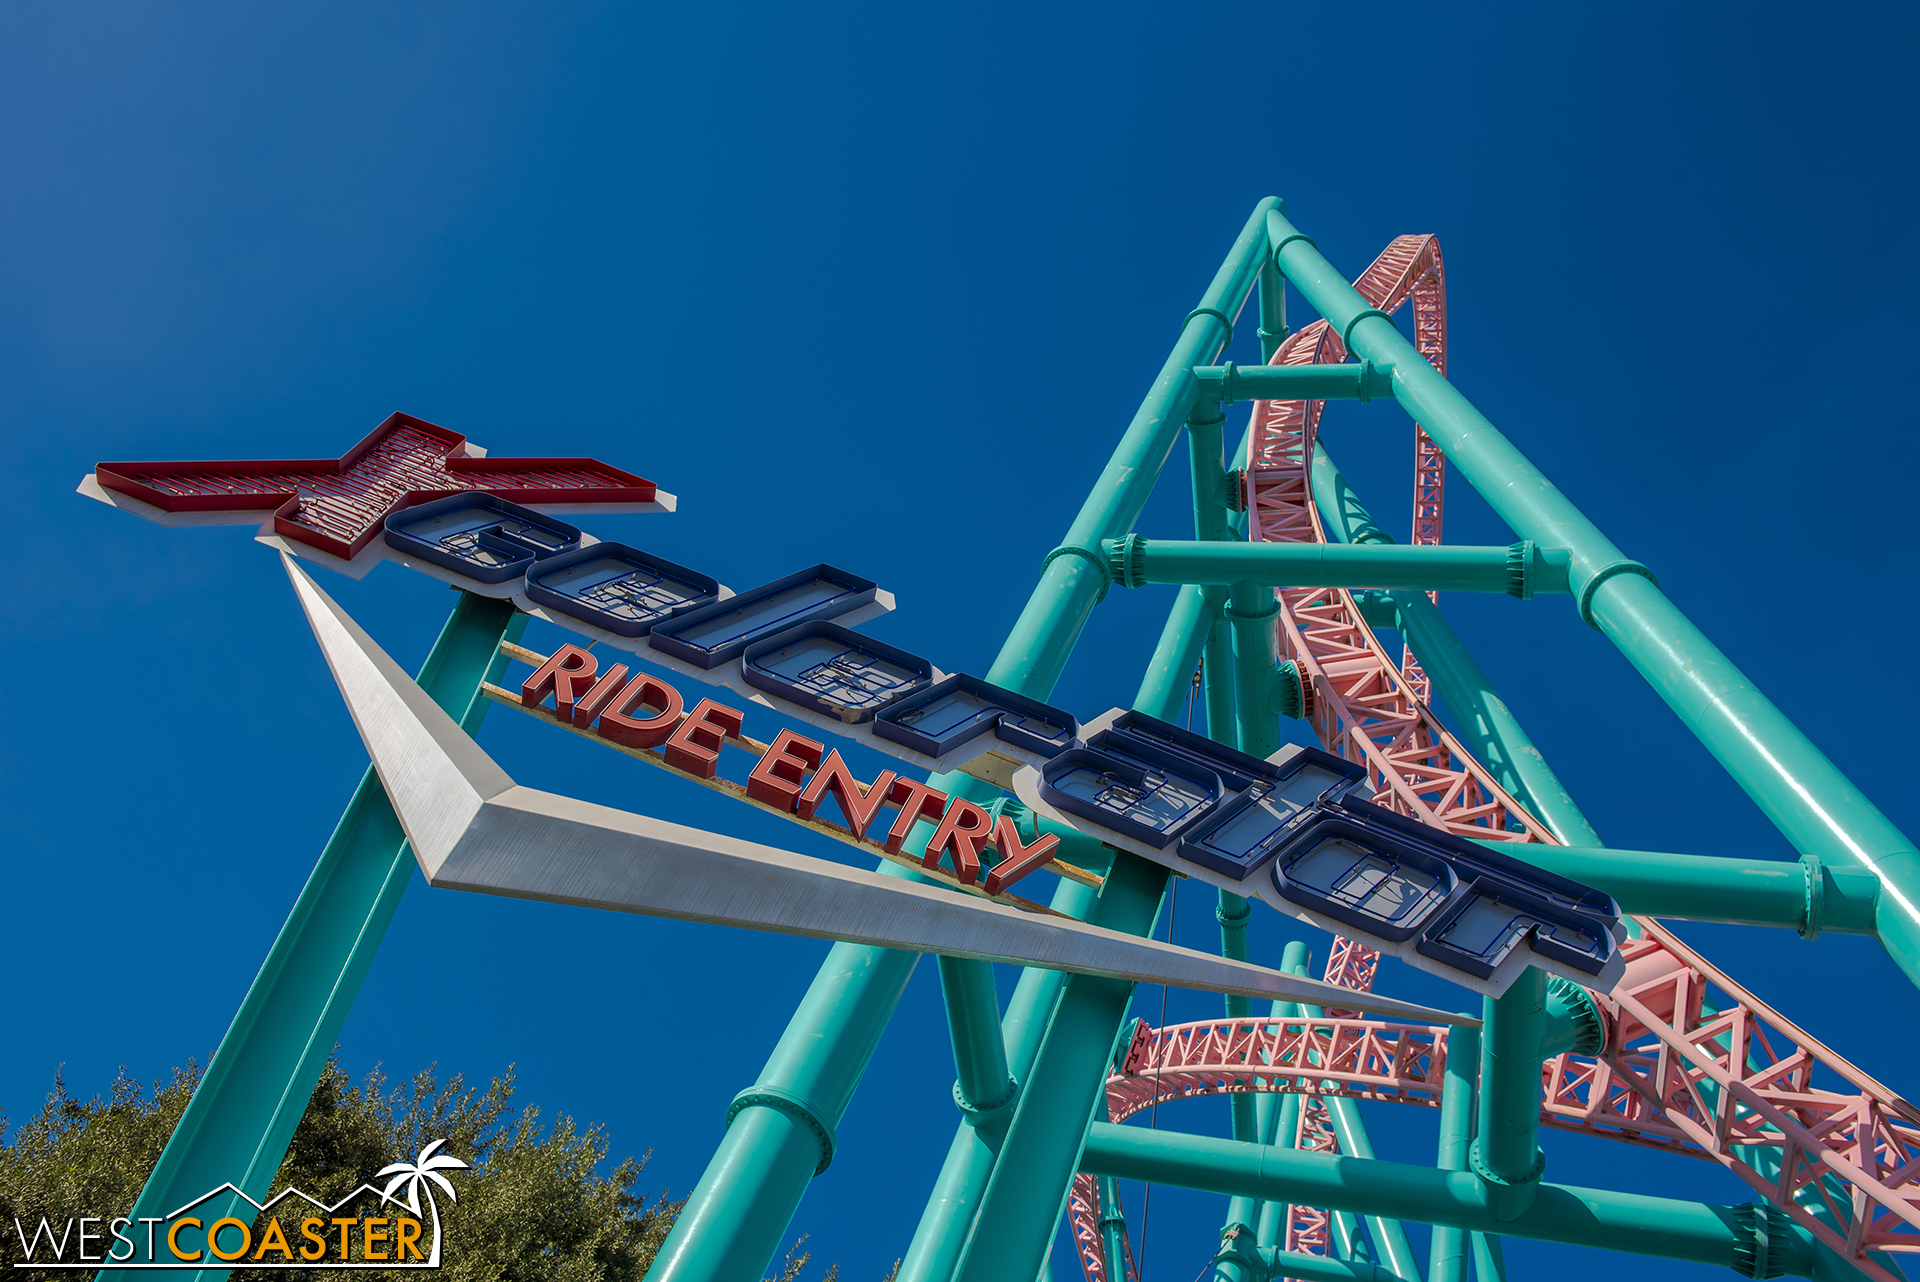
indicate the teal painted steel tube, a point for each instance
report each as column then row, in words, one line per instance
column 1273, row 309
column 1075, row 577
column 1229, row 383
column 1482, row 717
column 239, row 1122
column 1447, row 1258
column 1251, row 609
column 1666, row 1227
column 1519, row 570
column 1023, row 1199
column 1389, row 1236
column 1113, row 1229
column 1178, row 654
column 1210, row 524
column 1506, row 1153
column 1489, row 1261
column 1722, row 888
column 973, row 1019
column 1818, row 809
column 1319, row 1268
column 941, row 1233
column 950, row 1214
column 780, row 1130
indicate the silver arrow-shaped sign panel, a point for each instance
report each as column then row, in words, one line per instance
column 473, row 828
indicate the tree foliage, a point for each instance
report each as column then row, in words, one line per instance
column 535, row 1205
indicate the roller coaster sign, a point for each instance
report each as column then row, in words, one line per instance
column 1298, row 831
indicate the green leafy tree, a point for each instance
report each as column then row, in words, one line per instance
column 533, row 1204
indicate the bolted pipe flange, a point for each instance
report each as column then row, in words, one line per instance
column 1237, row 490
column 1292, row 692
column 1764, row 1247
column 1520, row 570
column 1600, row 576
column 978, row 1114
column 1127, row 561
column 1591, row 1030
column 793, row 1106
column 1092, row 558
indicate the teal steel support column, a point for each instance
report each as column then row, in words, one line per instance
column 983, row 1084
column 1113, row 1229
column 1024, row 1195
column 780, row 1131
column 941, row 1233
column 950, row 1213
column 1506, row 1153
column 1447, row 1260
column 1521, row 570
column 1075, row 575
column 1817, row 808
column 239, row 1122
column 1489, row 1260
column 1204, row 426
column 1181, row 644
column 1389, row 1236
column 1230, row 383
column 1801, row 895
column 1273, row 309
column 1252, row 610
column 1666, row 1227
column 762, row 1189
column 1280, row 1118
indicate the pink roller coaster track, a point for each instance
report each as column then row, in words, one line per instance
column 1693, row 1063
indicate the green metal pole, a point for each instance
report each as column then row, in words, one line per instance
column 1030, row 1179
column 1230, row 383
column 1273, row 309
column 762, row 1185
column 1075, row 575
column 780, row 1131
column 1482, row 717
column 1447, row 1259
column 1506, row 1153
column 1489, row 1260
column 941, row 1235
column 1113, row 1229
column 1282, row 1117
column 1210, row 524
column 1521, row 570
column 1679, row 1230
column 1818, row 809
column 1181, row 644
column 1800, row 895
column 242, row 1116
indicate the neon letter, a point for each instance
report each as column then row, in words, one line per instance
column 617, row 724
column 588, row 706
column 963, row 827
column 859, row 807
column 1016, row 860
column 916, row 802
column 695, row 745
column 307, row 1227
column 369, row 1239
column 407, row 1242
column 777, row 780
column 345, row 1226
column 569, row 667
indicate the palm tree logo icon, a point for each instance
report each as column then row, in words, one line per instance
column 415, row 1175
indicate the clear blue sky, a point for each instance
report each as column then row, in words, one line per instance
column 882, row 287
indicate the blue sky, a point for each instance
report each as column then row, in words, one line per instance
column 882, row 287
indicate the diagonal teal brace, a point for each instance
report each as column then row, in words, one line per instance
column 241, row 1119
